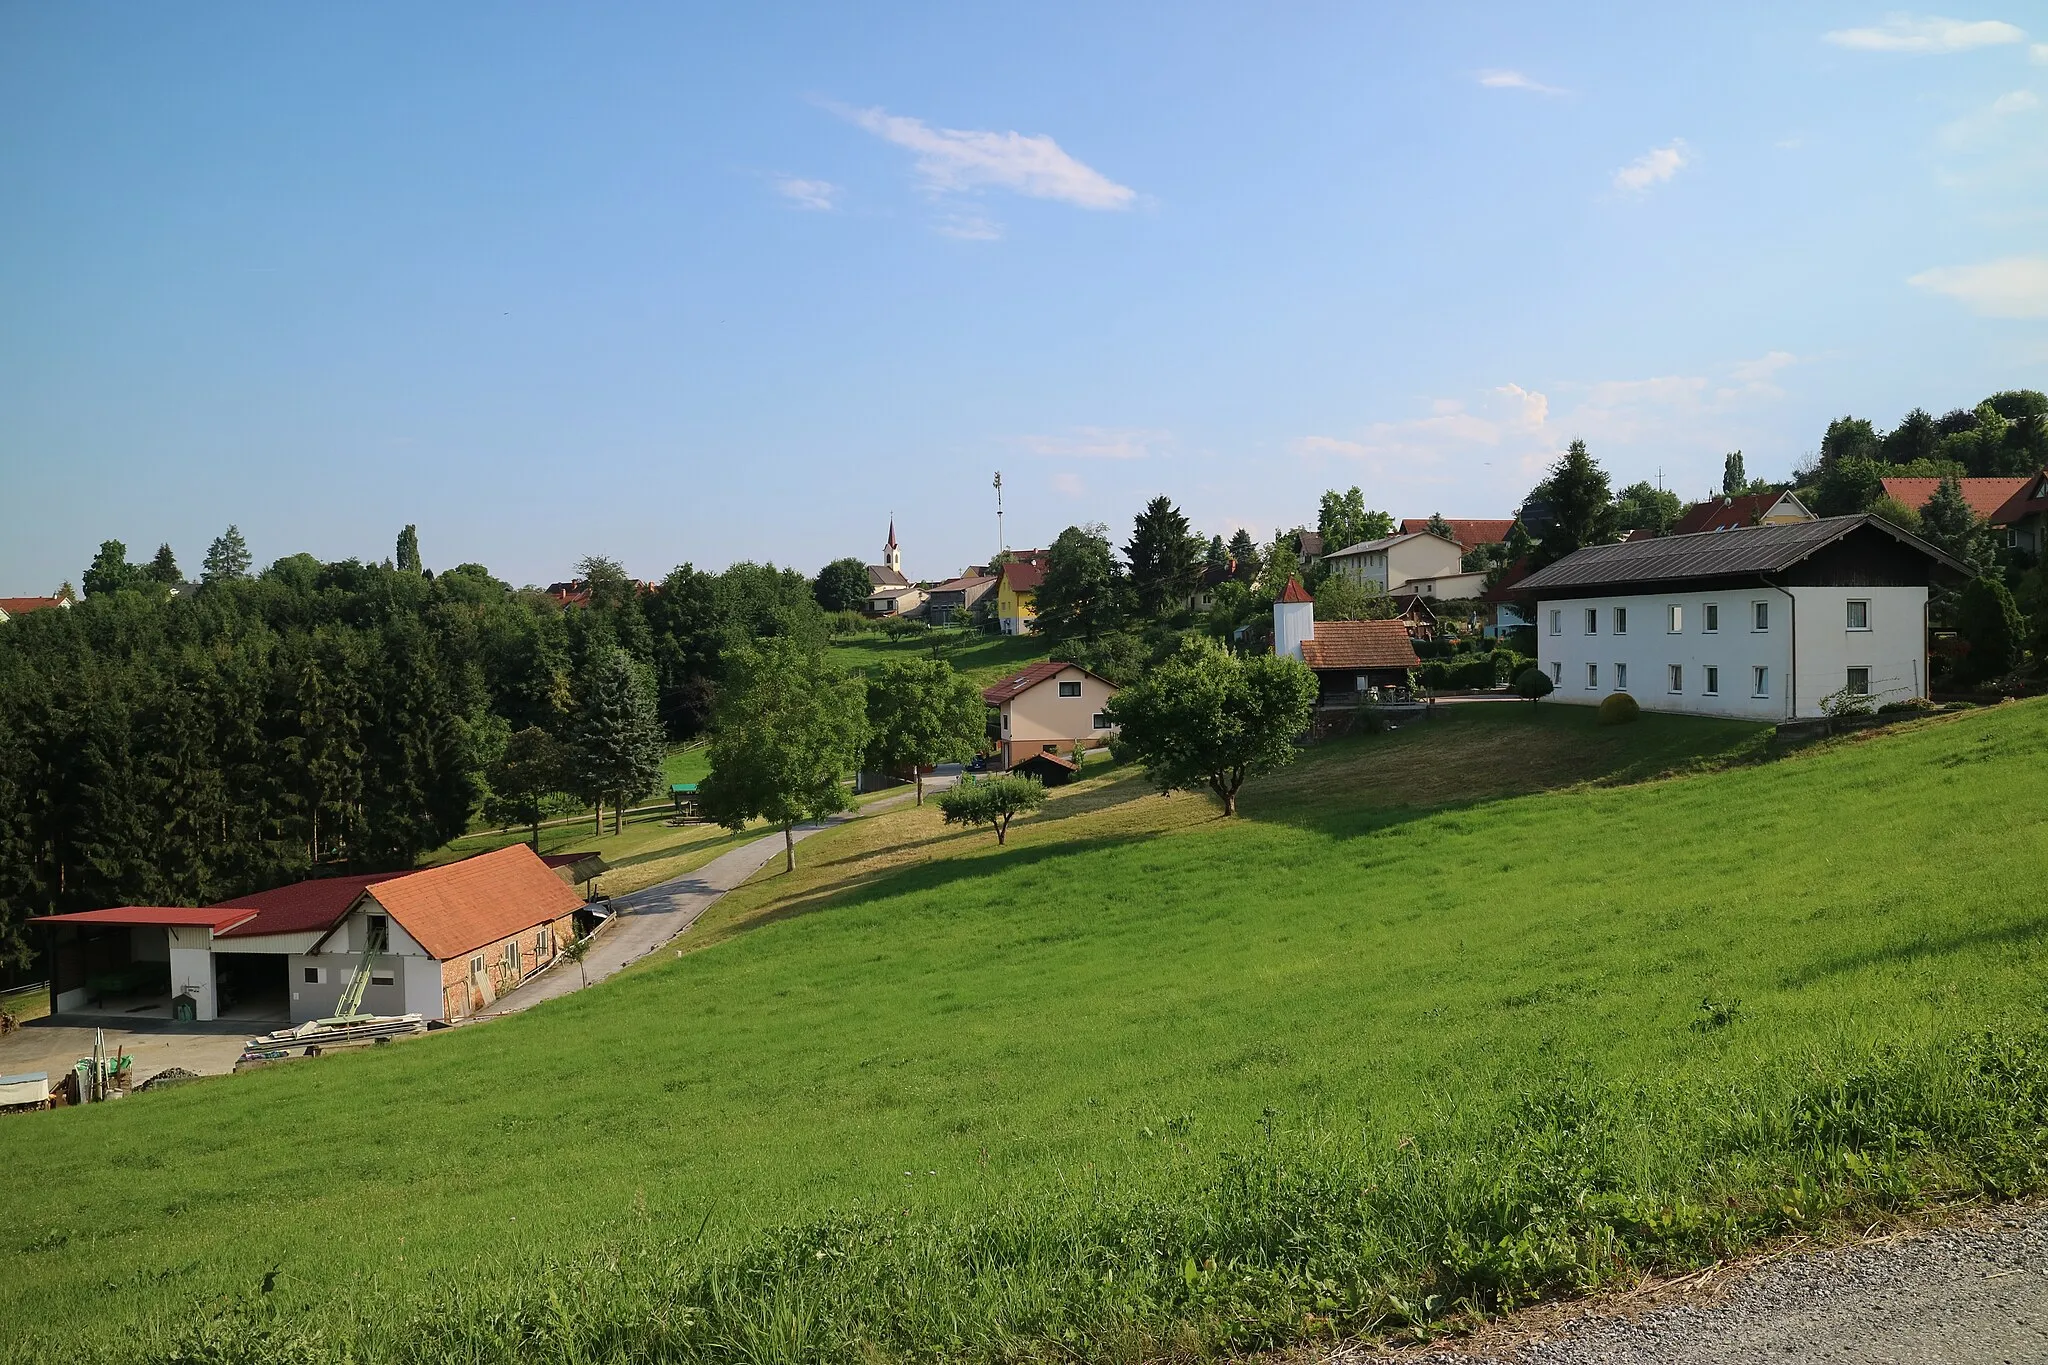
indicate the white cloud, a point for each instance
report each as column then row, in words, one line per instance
column 818, row 196
column 951, row 160
column 1515, row 80
column 1929, row 34
column 1069, row 485
column 1653, row 167
column 1100, row 443
column 2039, row 52
column 2015, row 102
column 1760, row 375
column 969, row 227
column 2015, row 287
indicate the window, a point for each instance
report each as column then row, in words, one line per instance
column 2012, row 537
column 1677, row 678
column 1713, row 687
column 380, row 934
column 1760, row 681
column 1556, row 622
column 313, row 975
column 1049, row 748
column 1621, row 677
column 1859, row 682
column 1557, row 673
column 1676, row 623
column 1070, row 689
column 1760, row 618
column 380, row 977
column 476, row 965
column 543, row 942
column 1859, row 616
column 1100, row 720
column 1592, row 675
column 1710, row 617
column 1592, row 620
column 1621, row 620
column 512, row 955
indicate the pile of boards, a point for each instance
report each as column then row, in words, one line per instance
column 361, row 1028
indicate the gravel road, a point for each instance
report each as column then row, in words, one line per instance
column 1974, row 1293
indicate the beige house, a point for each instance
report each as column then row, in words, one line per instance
column 1417, row 562
column 1049, row 708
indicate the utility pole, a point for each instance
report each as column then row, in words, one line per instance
column 1001, row 544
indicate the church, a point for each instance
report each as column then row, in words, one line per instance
column 889, row 592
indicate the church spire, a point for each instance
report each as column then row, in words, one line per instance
column 892, row 555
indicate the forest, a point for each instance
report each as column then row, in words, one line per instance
column 174, row 743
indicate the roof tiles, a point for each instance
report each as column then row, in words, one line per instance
column 1359, row 644
column 459, row 907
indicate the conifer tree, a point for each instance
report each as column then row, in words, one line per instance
column 1164, row 563
column 164, row 567
column 227, row 558
column 1245, row 554
column 618, row 744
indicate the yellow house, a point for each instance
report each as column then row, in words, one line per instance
column 1016, row 590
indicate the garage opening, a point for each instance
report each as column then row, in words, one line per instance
column 252, row 986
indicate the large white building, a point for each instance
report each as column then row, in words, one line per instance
column 1760, row 622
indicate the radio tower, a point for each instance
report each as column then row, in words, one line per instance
column 1001, row 544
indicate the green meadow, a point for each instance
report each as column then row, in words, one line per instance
column 1496, row 1007
column 983, row 657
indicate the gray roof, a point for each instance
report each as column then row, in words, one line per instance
column 1713, row 554
column 882, row 576
column 1366, row 547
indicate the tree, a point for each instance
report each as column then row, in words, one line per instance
column 1216, row 558
column 1165, row 564
column 1533, row 684
column 1988, row 618
column 1645, row 507
column 1848, row 438
column 788, row 729
column 1206, row 718
column 527, row 780
column 1439, row 527
column 1342, row 519
column 1281, row 563
column 841, row 585
column 110, row 571
column 1914, row 438
column 576, row 950
column 992, row 801
column 1570, row 509
column 921, row 712
column 619, row 747
column 164, row 567
column 1082, row 593
column 1848, row 486
column 409, row 549
column 227, row 559
column 1245, row 554
column 1947, row 523
column 1340, row 598
column 1734, row 481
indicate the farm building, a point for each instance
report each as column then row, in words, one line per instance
column 957, row 597
column 1049, row 708
column 1349, row 658
column 1759, row 622
column 445, row 941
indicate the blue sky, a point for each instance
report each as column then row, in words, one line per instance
column 709, row 282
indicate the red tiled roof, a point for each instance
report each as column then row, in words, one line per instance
column 454, row 909
column 19, row 606
column 1724, row 513
column 1987, row 497
column 301, row 907
column 215, row 918
column 1023, row 681
column 1467, row 531
column 1360, row 644
column 1021, row 577
column 1294, row 592
column 2029, row 501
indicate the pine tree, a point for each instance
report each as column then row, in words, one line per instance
column 618, row 743
column 1245, row 554
column 1439, row 527
column 1163, row 560
column 409, row 550
column 1948, row 523
column 227, row 558
column 1570, row 509
column 164, row 567
column 1216, row 558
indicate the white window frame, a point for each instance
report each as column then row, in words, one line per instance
column 1712, row 681
column 1759, row 611
column 1760, row 682
column 1592, row 620
column 476, row 965
column 1592, row 677
column 1849, row 680
column 1674, row 677
column 1621, row 677
column 1710, row 618
column 1557, row 621
column 1557, row 673
column 1674, row 616
column 315, row 976
column 1849, row 613
column 1621, row 620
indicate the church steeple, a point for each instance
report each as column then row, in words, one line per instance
column 892, row 555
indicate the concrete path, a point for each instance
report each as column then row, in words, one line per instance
column 647, row 920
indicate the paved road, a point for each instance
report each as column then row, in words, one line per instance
column 1971, row 1294
column 649, row 919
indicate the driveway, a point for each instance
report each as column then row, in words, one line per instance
column 208, row 1049
column 647, row 920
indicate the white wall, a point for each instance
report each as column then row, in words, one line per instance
column 1649, row 648
column 422, row 984
column 1894, row 648
column 192, row 967
column 1293, row 622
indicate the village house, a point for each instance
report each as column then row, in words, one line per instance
column 1351, row 659
column 1469, row 532
column 956, row 598
column 1730, row 512
column 2015, row 507
column 445, row 941
column 1048, row 708
column 11, row 607
column 1418, row 562
column 1757, row 622
column 1017, row 580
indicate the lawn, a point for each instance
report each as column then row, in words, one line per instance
column 1502, row 1004
column 981, row 656
column 648, row 850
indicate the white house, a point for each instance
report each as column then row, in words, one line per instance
column 1419, row 562
column 1758, row 622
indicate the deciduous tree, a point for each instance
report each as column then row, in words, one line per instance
column 1209, row 719
column 1083, row 592
column 992, row 801
column 841, row 585
column 528, row 781
column 1734, row 480
column 921, row 712
column 409, row 550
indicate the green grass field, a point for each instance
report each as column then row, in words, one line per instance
column 981, row 656
column 1478, row 1010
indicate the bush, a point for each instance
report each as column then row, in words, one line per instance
column 1619, row 708
column 992, row 801
column 1533, row 684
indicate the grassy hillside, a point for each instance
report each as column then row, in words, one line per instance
column 1465, row 1012
column 980, row 655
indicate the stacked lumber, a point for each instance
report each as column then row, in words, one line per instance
column 360, row 1028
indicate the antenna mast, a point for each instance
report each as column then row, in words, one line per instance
column 1001, row 544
